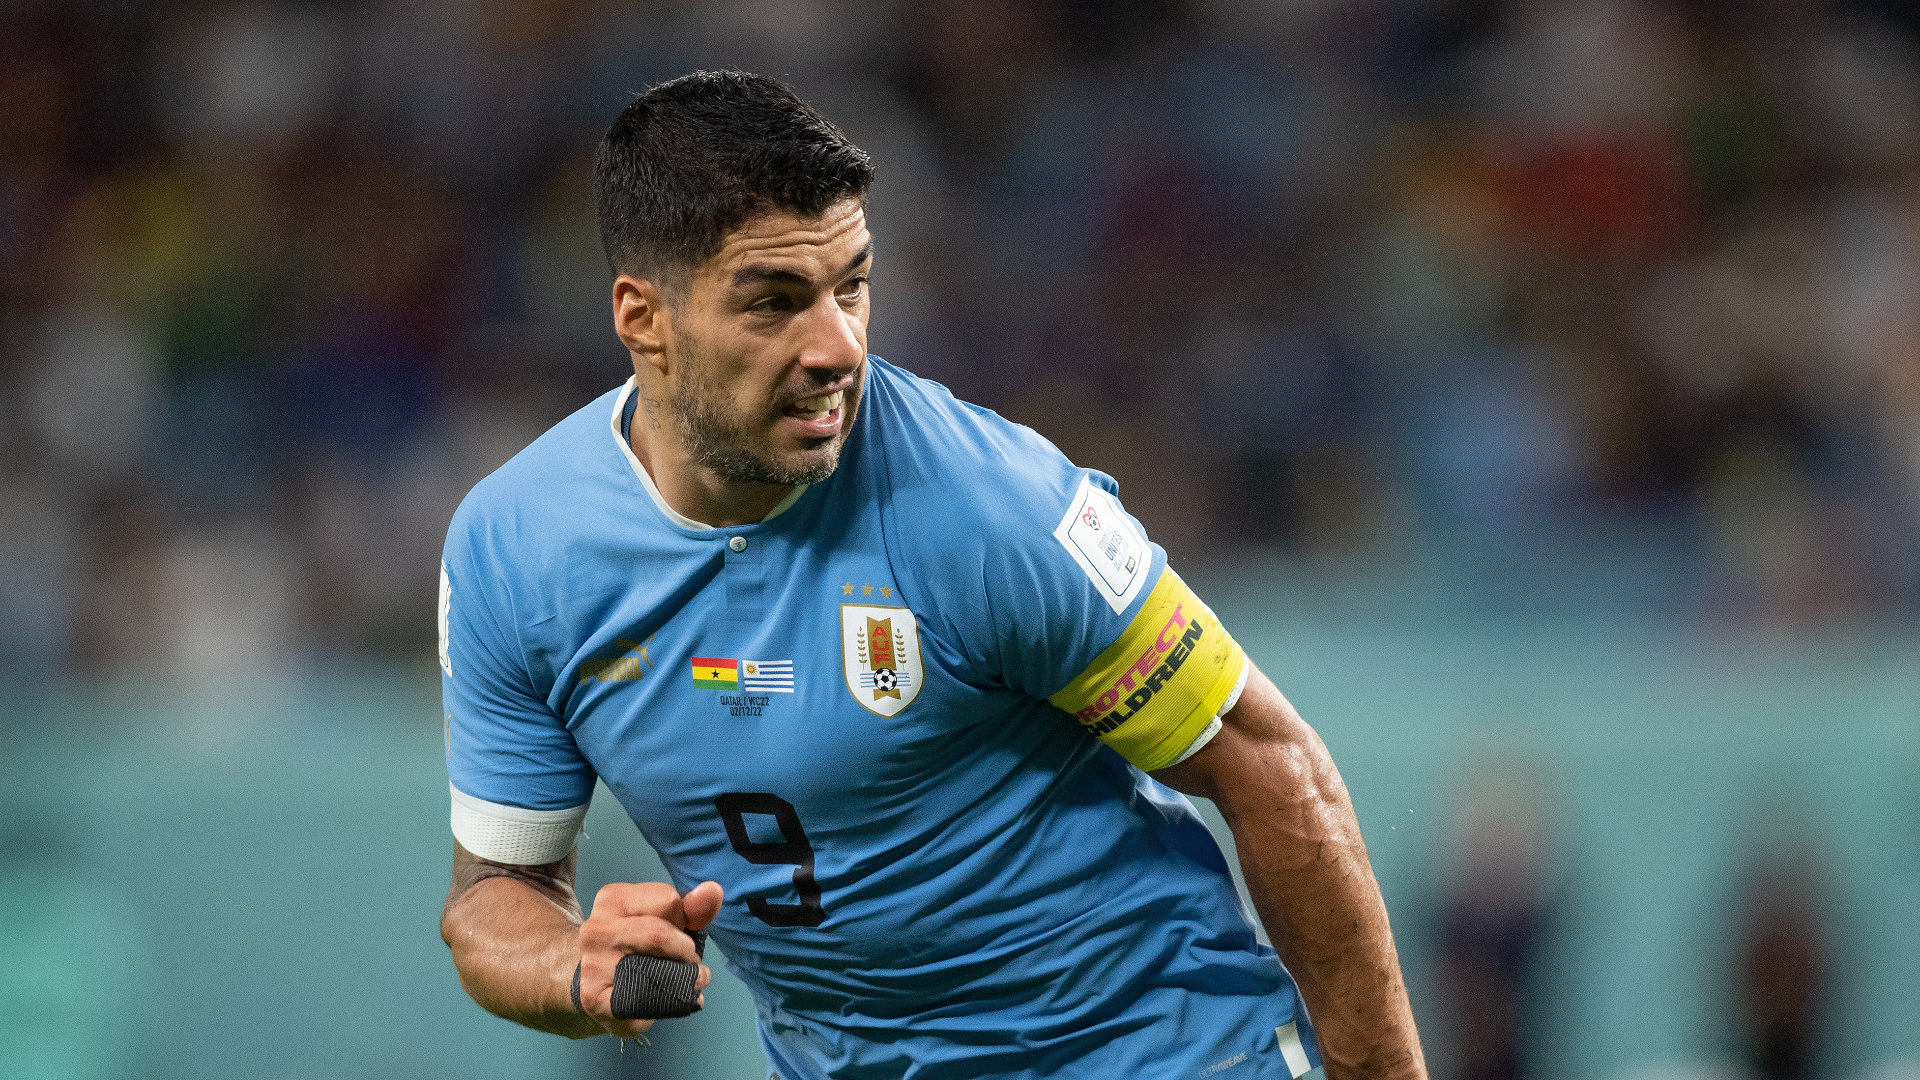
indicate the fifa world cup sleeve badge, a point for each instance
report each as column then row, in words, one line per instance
column 880, row 652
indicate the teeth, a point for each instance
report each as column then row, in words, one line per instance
column 823, row 404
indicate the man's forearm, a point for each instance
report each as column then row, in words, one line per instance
column 515, row 936
column 1327, row 921
column 1307, row 868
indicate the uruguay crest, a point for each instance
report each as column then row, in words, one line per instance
column 880, row 650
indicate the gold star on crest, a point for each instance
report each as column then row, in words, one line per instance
column 847, row 588
column 866, row 590
column 885, row 591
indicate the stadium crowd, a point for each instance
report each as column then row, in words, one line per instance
column 1350, row 281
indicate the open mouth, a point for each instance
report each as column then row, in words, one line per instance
column 821, row 415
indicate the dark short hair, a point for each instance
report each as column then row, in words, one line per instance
column 693, row 159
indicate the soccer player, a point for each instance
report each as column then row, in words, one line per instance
column 897, row 692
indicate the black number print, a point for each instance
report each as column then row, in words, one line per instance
column 793, row 848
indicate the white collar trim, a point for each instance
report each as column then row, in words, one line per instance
column 646, row 480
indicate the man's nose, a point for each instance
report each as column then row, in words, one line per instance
column 833, row 338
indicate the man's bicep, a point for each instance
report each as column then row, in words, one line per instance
column 552, row 880
column 1265, row 757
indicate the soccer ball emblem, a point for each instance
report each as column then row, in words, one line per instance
column 883, row 679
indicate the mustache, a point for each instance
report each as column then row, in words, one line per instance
column 817, row 388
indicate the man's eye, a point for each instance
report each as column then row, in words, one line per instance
column 852, row 288
column 771, row 303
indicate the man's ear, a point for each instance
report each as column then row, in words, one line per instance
column 641, row 319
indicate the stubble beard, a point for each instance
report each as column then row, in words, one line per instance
column 721, row 441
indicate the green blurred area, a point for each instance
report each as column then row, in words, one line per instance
column 245, row 882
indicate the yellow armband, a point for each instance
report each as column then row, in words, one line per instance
column 1153, row 691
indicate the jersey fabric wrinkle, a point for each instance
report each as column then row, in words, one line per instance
column 931, row 870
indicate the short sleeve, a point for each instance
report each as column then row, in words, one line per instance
column 1127, row 648
column 1039, row 580
column 520, row 784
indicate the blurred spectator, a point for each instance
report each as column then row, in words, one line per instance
column 37, row 536
column 1782, row 975
column 1492, row 924
column 279, row 279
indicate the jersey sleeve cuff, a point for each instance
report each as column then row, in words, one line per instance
column 511, row 835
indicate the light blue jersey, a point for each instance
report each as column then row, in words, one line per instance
column 902, row 721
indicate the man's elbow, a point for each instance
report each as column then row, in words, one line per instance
column 449, row 931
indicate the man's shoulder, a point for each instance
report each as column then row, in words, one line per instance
column 958, row 453
column 965, row 486
column 545, row 486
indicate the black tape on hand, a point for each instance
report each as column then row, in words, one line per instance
column 655, row 988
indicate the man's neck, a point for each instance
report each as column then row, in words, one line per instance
column 692, row 490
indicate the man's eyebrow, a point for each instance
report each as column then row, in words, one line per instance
column 748, row 276
column 865, row 254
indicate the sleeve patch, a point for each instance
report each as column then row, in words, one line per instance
column 1157, row 689
column 1102, row 539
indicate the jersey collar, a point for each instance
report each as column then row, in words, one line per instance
column 646, row 481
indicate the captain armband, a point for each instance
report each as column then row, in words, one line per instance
column 511, row 835
column 1158, row 692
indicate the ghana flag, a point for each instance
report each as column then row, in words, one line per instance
column 712, row 673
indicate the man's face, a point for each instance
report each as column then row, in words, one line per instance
column 769, row 345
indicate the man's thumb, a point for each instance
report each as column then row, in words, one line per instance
column 701, row 904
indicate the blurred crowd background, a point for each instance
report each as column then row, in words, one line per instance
column 1528, row 308
column 1437, row 282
